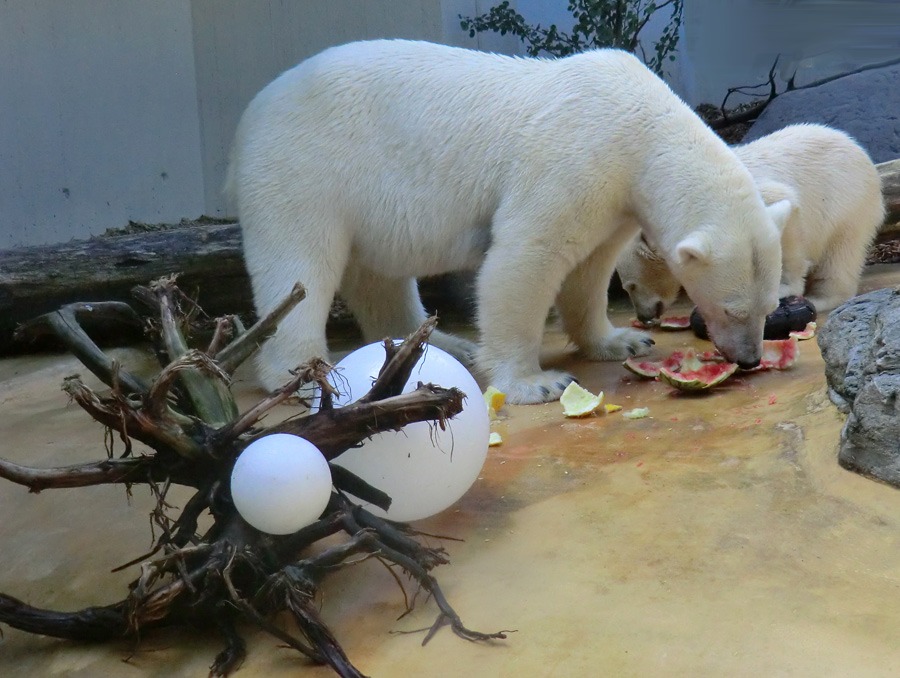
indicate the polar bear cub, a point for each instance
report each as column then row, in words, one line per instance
column 836, row 209
column 374, row 163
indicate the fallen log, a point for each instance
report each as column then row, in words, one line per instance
column 37, row 280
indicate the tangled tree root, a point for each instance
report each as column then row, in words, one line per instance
column 189, row 420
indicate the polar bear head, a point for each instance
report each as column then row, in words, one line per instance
column 646, row 279
column 732, row 274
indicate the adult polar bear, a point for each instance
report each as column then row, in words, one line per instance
column 374, row 163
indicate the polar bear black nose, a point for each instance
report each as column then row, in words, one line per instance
column 748, row 364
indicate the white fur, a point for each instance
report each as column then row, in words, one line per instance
column 374, row 163
column 836, row 207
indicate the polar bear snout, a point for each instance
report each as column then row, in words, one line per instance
column 738, row 343
column 746, row 357
column 648, row 313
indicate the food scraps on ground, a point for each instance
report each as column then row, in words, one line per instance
column 610, row 408
column 696, row 375
column 650, row 368
column 494, row 439
column 807, row 333
column 670, row 324
column 675, row 323
column 494, row 399
column 579, row 402
column 637, row 413
column 692, row 371
column 778, row 354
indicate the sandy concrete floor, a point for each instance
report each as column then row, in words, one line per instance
column 716, row 538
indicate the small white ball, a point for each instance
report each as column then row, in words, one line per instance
column 280, row 483
column 423, row 469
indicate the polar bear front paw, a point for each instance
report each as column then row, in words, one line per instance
column 621, row 343
column 543, row 387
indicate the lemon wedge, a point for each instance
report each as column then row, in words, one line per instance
column 494, row 439
column 612, row 408
column 579, row 402
column 494, row 399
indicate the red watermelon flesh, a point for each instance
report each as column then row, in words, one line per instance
column 675, row 323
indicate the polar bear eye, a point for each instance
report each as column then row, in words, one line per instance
column 735, row 314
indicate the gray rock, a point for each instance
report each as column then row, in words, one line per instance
column 860, row 343
column 865, row 105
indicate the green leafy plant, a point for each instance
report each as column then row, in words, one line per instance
column 598, row 23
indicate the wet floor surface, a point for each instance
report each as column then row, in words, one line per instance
column 718, row 537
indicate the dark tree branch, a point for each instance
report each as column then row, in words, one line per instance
column 233, row 570
column 235, row 651
column 349, row 482
column 400, row 362
column 315, row 371
column 92, row 623
column 65, row 325
column 336, row 431
column 753, row 111
column 211, row 398
column 106, row 472
column 160, row 433
column 425, row 580
column 231, row 357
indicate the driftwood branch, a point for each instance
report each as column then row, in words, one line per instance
column 92, row 623
column 753, row 110
column 399, row 363
column 188, row 419
column 65, row 324
column 82, row 475
column 246, row 344
column 336, row 431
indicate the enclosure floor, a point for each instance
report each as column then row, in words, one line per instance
column 717, row 538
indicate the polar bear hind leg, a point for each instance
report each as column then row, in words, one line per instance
column 276, row 261
column 391, row 307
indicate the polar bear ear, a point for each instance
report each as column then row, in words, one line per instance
column 774, row 191
column 780, row 212
column 695, row 247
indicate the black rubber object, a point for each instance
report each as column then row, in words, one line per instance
column 792, row 315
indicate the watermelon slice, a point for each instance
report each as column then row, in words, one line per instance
column 686, row 370
column 649, row 368
column 706, row 376
column 675, row 323
column 807, row 333
column 779, row 354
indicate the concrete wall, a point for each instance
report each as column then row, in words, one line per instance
column 241, row 46
column 98, row 117
column 118, row 110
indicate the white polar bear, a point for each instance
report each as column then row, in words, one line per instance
column 374, row 163
column 837, row 208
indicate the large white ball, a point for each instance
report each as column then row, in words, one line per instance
column 422, row 468
column 280, row 483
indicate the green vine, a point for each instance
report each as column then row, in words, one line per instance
column 598, row 23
